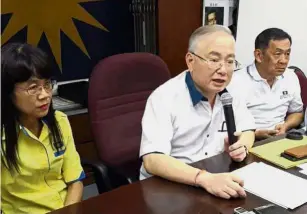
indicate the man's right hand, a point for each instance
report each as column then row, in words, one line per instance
column 224, row 185
column 265, row 133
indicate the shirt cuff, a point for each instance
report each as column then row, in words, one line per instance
column 151, row 148
column 81, row 177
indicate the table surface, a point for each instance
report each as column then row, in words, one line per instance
column 158, row 196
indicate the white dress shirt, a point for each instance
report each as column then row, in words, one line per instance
column 178, row 121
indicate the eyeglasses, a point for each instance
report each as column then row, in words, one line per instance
column 37, row 89
column 217, row 64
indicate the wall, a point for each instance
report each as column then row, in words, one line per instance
column 76, row 39
column 177, row 19
column 257, row 15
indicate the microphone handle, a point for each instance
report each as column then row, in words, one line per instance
column 230, row 122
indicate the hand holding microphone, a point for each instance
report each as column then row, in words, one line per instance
column 226, row 100
column 236, row 149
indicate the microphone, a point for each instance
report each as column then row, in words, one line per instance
column 226, row 100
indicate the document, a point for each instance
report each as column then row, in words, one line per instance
column 63, row 104
column 271, row 152
column 274, row 185
column 303, row 166
column 304, row 171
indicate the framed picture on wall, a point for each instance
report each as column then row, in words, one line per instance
column 214, row 15
column 221, row 12
column 218, row 12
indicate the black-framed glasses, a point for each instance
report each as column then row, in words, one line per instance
column 216, row 64
column 37, row 89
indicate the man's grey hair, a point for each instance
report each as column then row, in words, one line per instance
column 205, row 30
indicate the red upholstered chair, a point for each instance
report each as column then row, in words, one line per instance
column 118, row 89
column 303, row 83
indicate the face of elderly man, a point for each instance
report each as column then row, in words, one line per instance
column 212, row 61
column 275, row 58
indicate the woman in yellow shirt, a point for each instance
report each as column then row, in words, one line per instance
column 40, row 170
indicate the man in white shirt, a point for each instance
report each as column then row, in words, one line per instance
column 271, row 91
column 184, row 119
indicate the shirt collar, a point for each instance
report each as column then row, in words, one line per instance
column 196, row 96
column 43, row 135
column 25, row 131
column 253, row 72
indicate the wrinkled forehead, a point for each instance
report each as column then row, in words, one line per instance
column 219, row 42
column 283, row 45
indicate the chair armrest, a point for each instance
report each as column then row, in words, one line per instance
column 100, row 173
column 132, row 179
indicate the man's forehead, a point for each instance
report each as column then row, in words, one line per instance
column 218, row 43
column 283, row 44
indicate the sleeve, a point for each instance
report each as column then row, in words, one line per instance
column 72, row 169
column 296, row 104
column 243, row 117
column 157, row 128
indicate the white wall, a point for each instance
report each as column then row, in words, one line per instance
column 257, row 15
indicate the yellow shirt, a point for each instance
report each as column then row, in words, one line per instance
column 41, row 185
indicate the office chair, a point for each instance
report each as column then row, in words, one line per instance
column 118, row 89
column 303, row 83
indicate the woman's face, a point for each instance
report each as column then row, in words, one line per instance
column 33, row 97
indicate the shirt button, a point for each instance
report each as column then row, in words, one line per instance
column 206, row 153
column 208, row 135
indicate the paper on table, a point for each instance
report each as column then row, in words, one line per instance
column 275, row 185
column 303, row 166
column 304, row 171
column 251, row 185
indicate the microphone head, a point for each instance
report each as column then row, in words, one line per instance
column 226, row 99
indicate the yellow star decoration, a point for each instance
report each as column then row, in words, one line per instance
column 49, row 17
